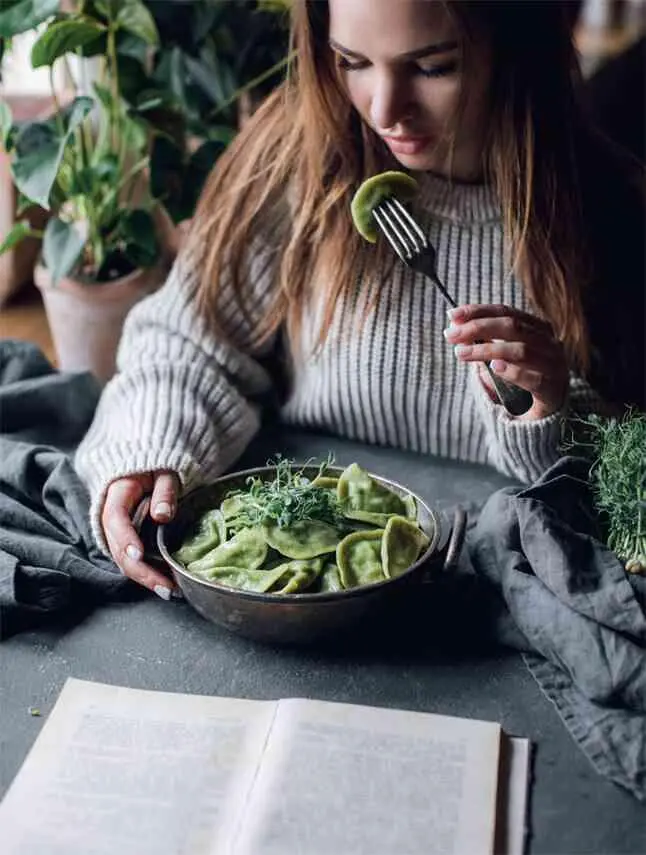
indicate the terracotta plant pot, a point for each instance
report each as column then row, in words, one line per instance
column 86, row 319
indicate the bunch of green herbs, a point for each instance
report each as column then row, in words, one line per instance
column 289, row 498
column 618, row 476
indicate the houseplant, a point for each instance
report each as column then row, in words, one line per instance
column 99, row 248
column 131, row 147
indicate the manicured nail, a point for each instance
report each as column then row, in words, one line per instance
column 451, row 331
column 162, row 591
column 462, row 350
column 134, row 552
column 498, row 365
column 450, row 313
column 163, row 510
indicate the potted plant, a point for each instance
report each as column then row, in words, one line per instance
column 123, row 159
column 100, row 252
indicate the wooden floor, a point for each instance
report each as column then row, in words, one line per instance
column 24, row 318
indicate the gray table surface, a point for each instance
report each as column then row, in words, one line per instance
column 151, row 644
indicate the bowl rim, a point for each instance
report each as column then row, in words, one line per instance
column 321, row 596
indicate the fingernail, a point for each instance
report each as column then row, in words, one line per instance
column 134, row 552
column 163, row 509
column 451, row 313
column 162, row 591
column 498, row 365
column 451, row 331
column 462, row 350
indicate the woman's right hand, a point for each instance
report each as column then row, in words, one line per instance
column 122, row 499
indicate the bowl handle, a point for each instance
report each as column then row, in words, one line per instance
column 456, row 540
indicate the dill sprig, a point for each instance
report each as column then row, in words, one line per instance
column 618, row 475
column 290, row 498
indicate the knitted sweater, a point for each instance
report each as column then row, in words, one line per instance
column 184, row 400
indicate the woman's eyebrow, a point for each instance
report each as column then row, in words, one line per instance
column 429, row 50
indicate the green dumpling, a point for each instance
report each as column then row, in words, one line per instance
column 358, row 557
column 401, row 545
column 411, row 507
column 284, row 579
column 231, row 507
column 259, row 581
column 330, row 579
column 363, row 498
column 208, row 533
column 373, row 191
column 296, row 576
column 303, row 539
column 247, row 549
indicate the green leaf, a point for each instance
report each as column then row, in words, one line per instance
column 136, row 19
column 18, row 232
column 104, row 95
column 6, row 121
column 63, row 37
column 23, row 204
column 137, row 230
column 62, row 247
column 25, row 15
column 39, row 151
column 132, row 46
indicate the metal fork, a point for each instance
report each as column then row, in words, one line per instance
column 410, row 243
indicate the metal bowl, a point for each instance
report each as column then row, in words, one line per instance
column 303, row 618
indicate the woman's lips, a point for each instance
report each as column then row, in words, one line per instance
column 407, row 145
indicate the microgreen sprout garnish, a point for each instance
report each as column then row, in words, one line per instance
column 289, row 498
column 618, row 476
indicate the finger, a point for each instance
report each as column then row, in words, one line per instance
column 474, row 311
column 518, row 352
column 123, row 494
column 520, row 375
column 163, row 502
column 124, row 542
column 140, row 572
column 505, row 327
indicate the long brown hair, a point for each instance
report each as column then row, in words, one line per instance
column 293, row 168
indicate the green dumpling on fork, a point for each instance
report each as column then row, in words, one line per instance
column 373, row 191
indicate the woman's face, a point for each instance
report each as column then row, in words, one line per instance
column 400, row 61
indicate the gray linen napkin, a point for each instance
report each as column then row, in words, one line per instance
column 579, row 618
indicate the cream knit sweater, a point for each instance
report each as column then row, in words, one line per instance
column 185, row 401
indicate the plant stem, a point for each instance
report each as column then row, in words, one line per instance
column 126, row 178
column 114, row 80
column 265, row 75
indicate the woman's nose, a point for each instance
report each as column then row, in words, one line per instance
column 389, row 102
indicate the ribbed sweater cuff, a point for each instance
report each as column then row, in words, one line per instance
column 523, row 449
column 107, row 464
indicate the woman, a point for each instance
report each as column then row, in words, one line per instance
column 477, row 101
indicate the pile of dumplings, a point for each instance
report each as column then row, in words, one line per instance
column 376, row 539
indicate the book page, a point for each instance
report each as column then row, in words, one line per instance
column 339, row 779
column 134, row 772
column 513, row 785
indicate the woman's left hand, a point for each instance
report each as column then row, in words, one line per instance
column 522, row 349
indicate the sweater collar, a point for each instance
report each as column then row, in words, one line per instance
column 456, row 201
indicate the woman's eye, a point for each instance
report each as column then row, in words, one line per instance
column 344, row 63
column 438, row 70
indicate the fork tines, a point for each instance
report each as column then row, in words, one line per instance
column 400, row 229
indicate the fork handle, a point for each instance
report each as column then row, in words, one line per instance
column 515, row 400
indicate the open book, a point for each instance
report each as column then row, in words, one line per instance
column 134, row 772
